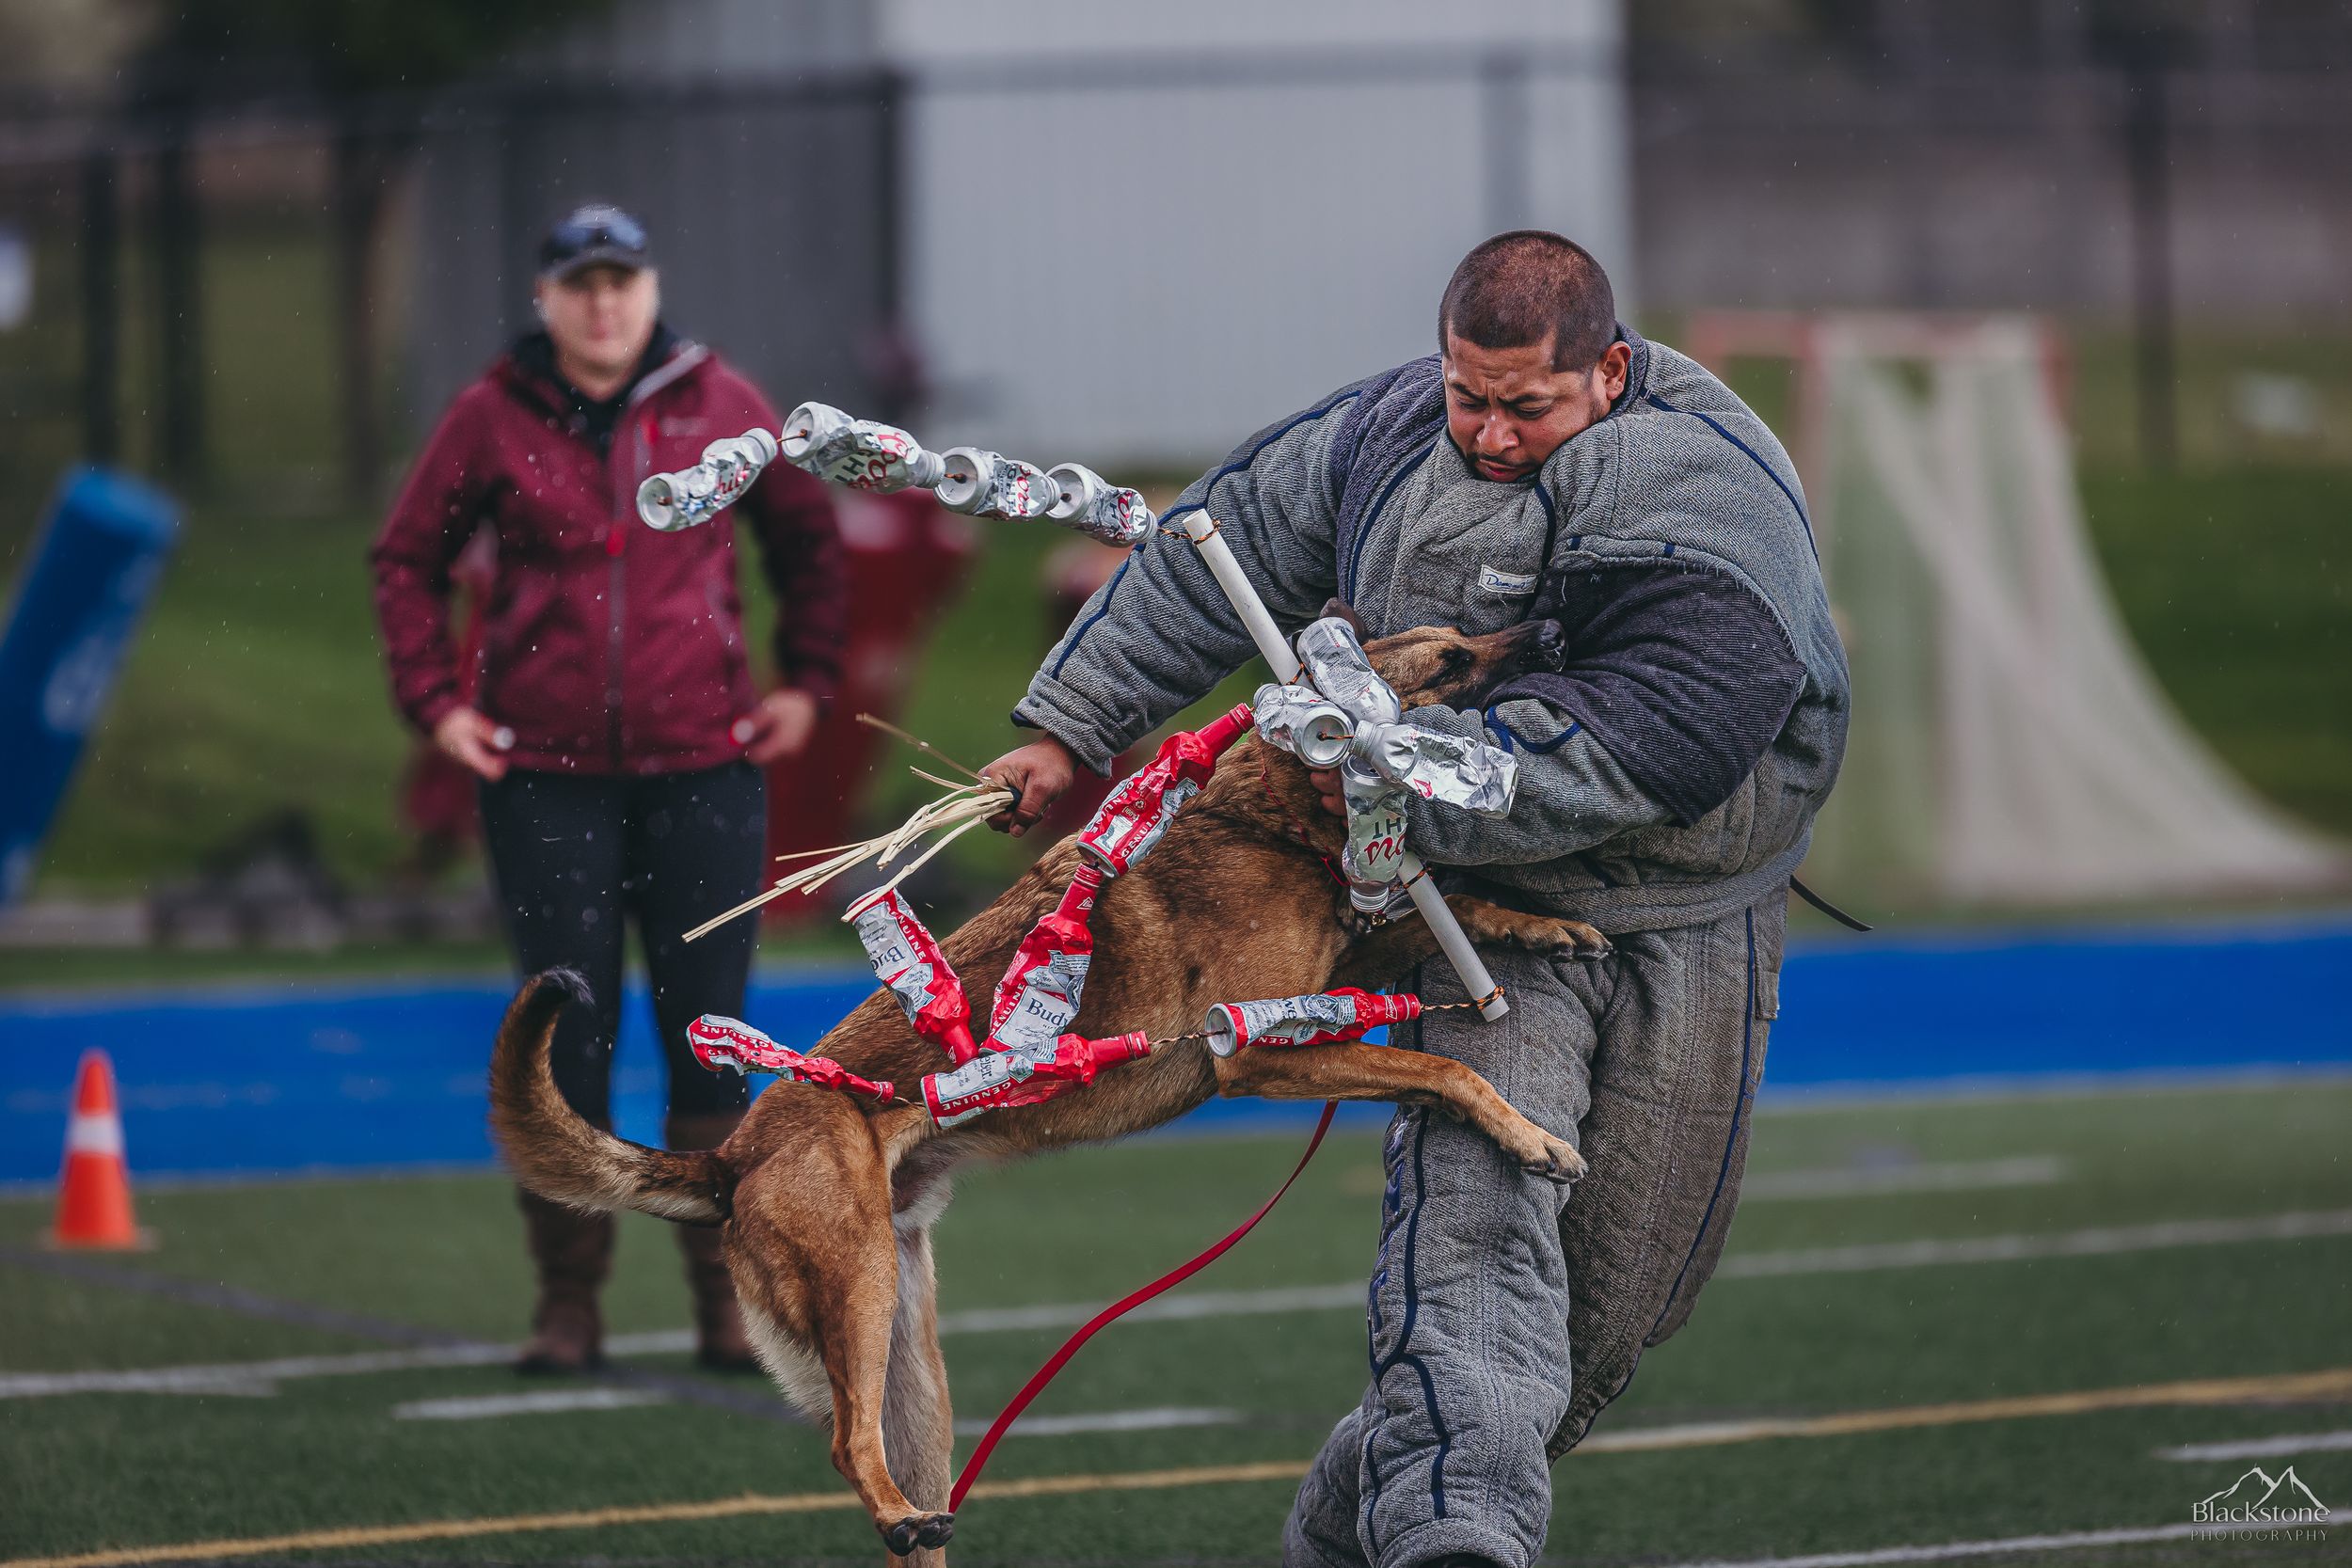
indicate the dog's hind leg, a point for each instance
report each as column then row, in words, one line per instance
column 918, row 1430
column 818, row 1262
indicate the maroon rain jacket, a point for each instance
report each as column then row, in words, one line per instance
column 608, row 647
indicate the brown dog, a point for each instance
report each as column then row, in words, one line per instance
column 1237, row 902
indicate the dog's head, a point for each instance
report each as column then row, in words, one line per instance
column 1440, row 666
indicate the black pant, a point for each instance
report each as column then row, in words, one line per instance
column 572, row 855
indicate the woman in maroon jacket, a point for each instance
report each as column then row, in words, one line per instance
column 617, row 733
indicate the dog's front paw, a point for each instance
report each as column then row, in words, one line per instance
column 1538, row 1154
column 1567, row 939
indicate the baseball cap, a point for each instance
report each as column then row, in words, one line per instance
column 595, row 235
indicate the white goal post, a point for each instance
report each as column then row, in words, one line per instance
column 2009, row 744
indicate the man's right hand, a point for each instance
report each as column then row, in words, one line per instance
column 1040, row 771
column 473, row 740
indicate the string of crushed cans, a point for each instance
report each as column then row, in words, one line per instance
column 1347, row 719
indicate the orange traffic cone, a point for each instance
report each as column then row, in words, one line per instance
column 94, row 1193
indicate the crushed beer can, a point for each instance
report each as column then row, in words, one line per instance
column 1329, row 1018
column 1336, row 662
column 1448, row 768
column 1303, row 722
column 1096, row 507
column 1135, row 814
column 1374, row 852
column 907, row 960
column 860, row 454
column 1037, row 998
column 720, row 1043
column 671, row 503
column 983, row 484
column 998, row 1079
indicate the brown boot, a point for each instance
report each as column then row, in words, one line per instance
column 573, row 1252
column 719, row 1342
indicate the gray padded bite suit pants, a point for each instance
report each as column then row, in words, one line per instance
column 1505, row 1311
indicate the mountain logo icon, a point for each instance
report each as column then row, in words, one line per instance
column 2258, row 1498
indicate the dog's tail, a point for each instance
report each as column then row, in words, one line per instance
column 557, row 1154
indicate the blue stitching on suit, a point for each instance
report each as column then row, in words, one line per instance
column 1510, row 740
column 1747, row 1042
column 1100, row 610
column 1356, row 556
column 1718, row 428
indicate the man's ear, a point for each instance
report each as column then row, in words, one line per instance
column 1345, row 611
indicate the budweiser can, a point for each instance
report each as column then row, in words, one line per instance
column 986, row 1083
column 1094, row 506
column 1329, row 1018
column 1135, row 814
column 908, row 961
column 720, row 1043
column 1037, row 998
column 983, row 484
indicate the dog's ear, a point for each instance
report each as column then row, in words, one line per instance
column 1347, row 611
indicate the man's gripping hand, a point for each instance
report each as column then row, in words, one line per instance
column 1039, row 773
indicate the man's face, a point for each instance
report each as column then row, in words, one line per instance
column 1507, row 410
column 601, row 317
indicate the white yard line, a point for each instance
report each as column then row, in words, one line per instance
column 258, row 1377
column 2262, row 1448
column 1957, row 1176
column 553, row 1401
column 1151, row 1418
column 2098, row 1241
column 1954, row 1551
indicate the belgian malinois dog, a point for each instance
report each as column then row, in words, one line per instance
column 1237, row 902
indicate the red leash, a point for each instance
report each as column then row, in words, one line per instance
column 1061, row 1358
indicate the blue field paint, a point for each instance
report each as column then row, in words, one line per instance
column 267, row 1078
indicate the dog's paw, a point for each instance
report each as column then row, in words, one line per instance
column 919, row 1530
column 1538, row 1154
column 1568, row 938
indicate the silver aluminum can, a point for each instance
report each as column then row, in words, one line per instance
column 1335, row 662
column 860, row 454
column 1374, row 852
column 1451, row 770
column 1299, row 720
column 1096, row 507
column 983, row 484
column 1279, row 1020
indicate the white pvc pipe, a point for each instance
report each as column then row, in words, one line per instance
column 1201, row 530
column 1456, row 941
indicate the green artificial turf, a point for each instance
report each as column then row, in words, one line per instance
column 92, row 1471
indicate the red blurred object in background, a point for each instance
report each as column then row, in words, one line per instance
column 907, row 556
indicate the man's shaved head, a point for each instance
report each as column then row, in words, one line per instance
column 1520, row 288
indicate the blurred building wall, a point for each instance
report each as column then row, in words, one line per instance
column 1128, row 234
column 1141, row 232
column 752, row 136
column 1975, row 186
